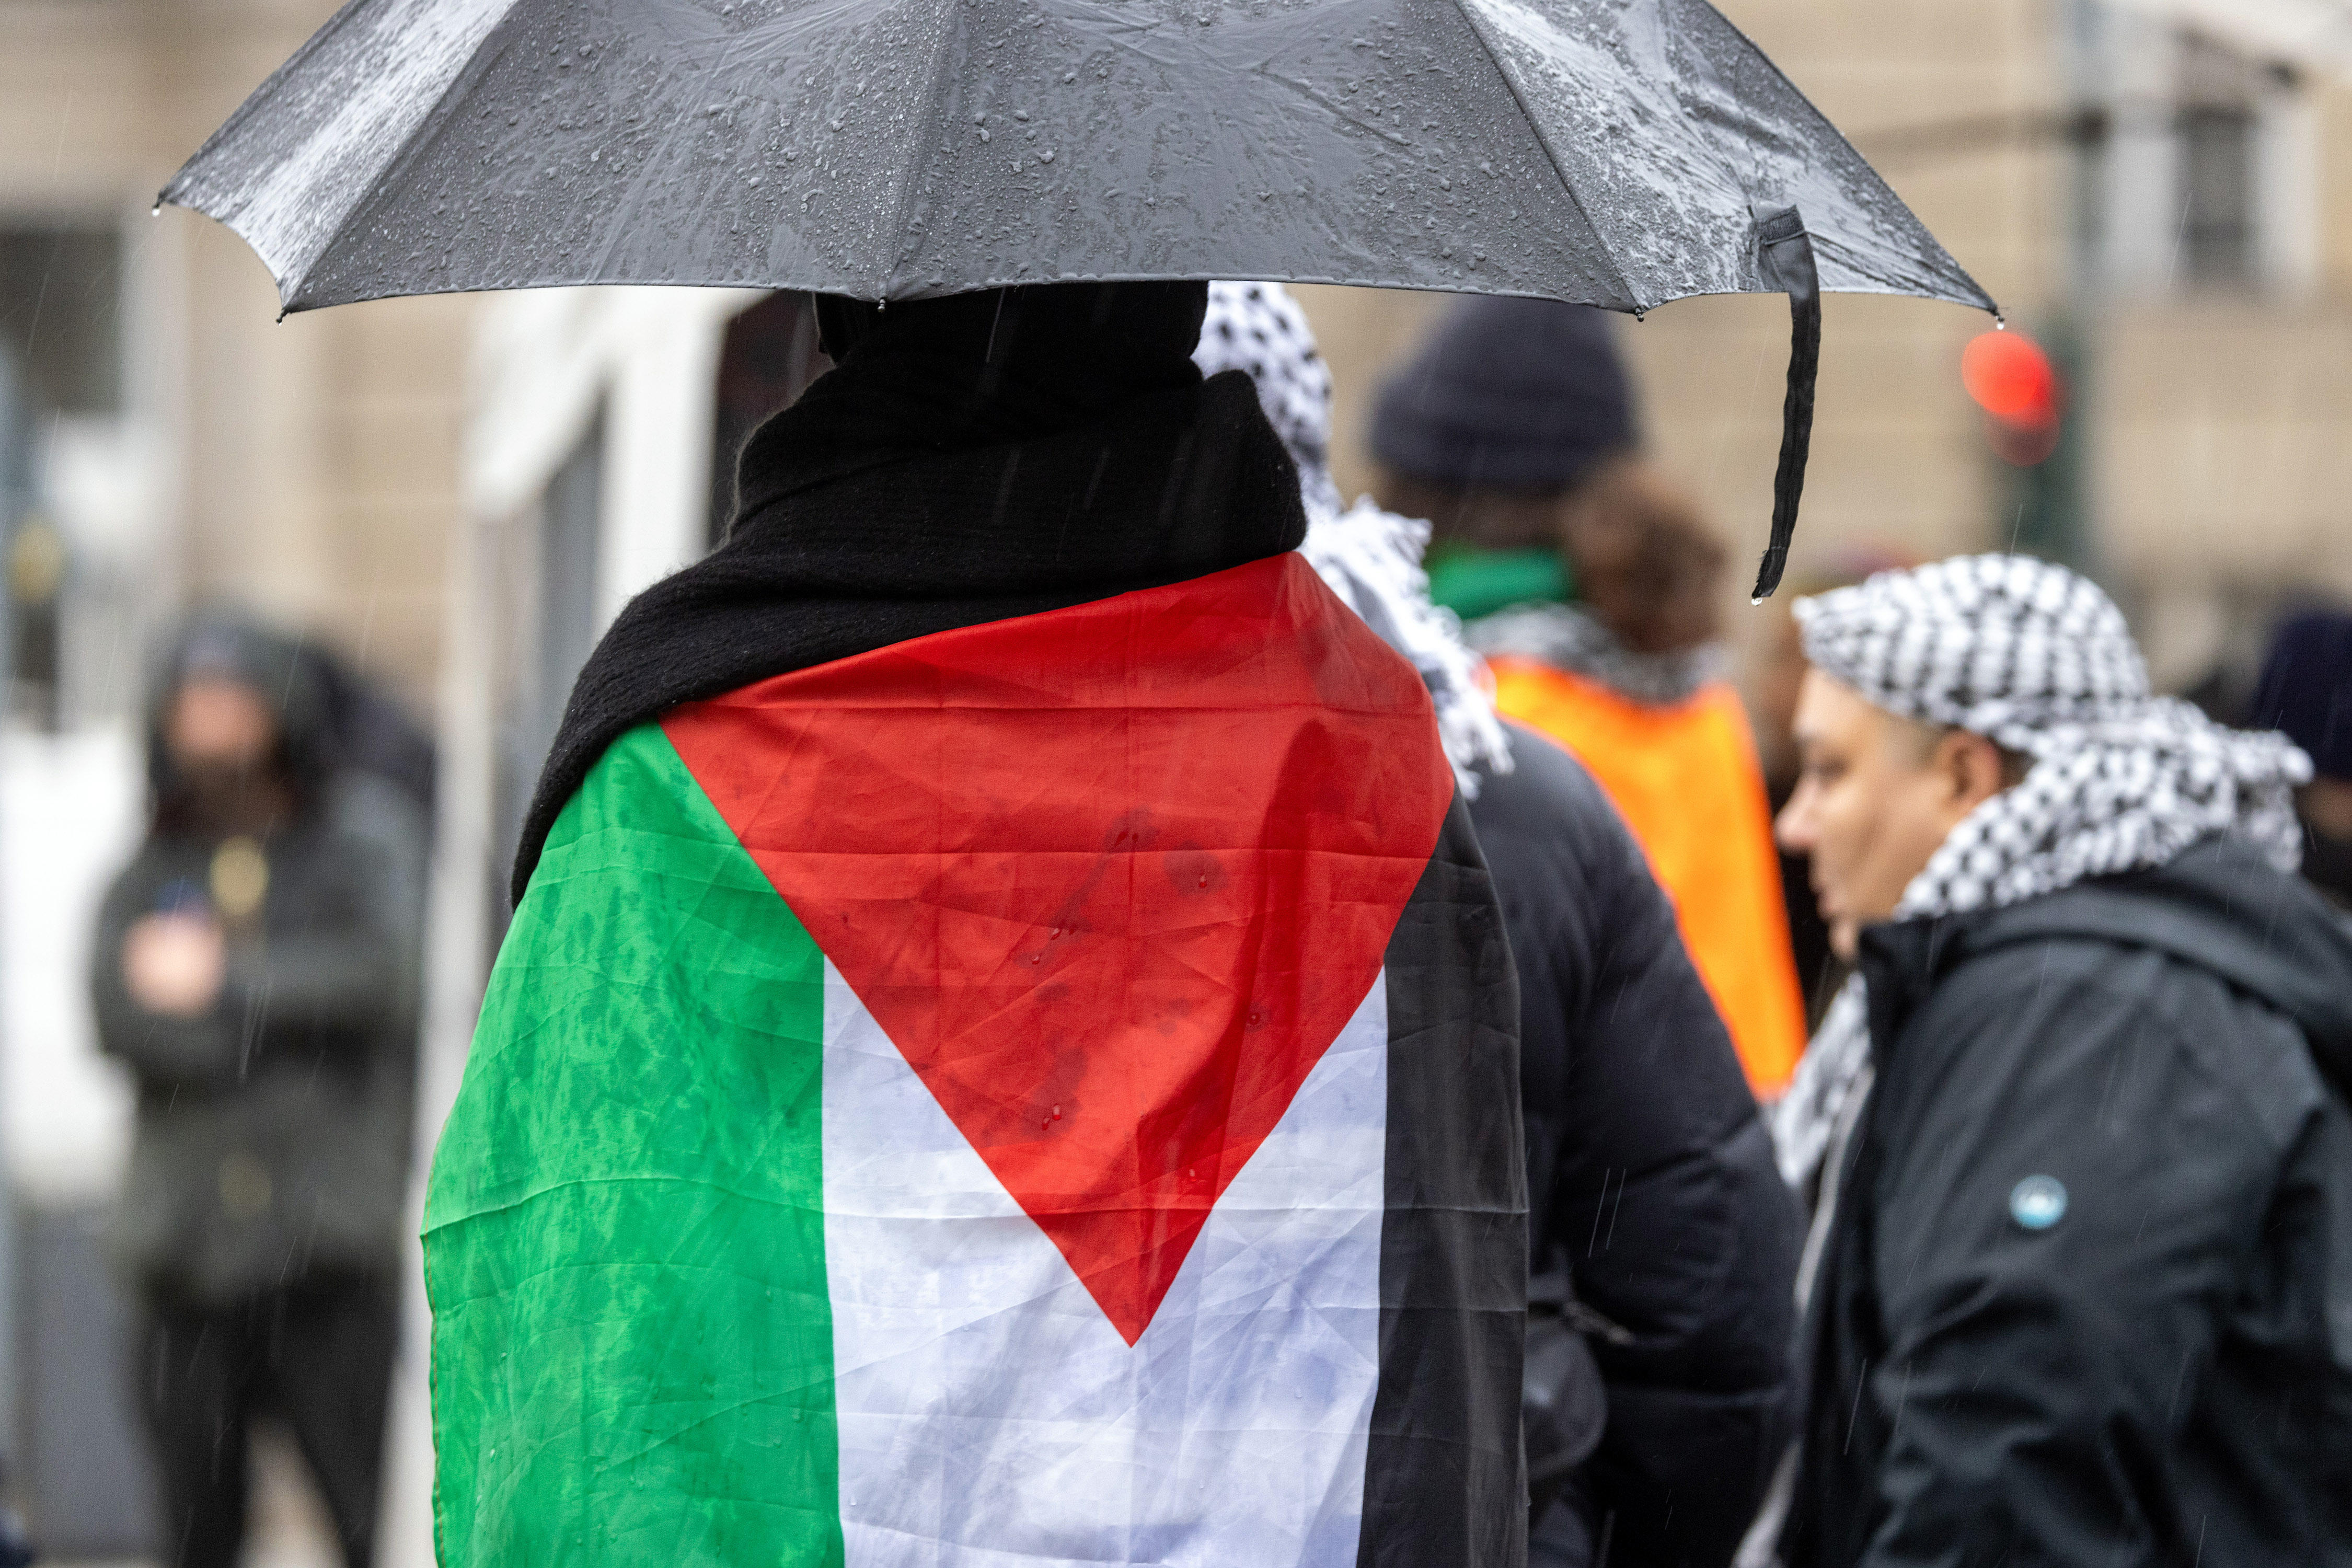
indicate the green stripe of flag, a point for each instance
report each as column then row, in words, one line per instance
column 630, row 1190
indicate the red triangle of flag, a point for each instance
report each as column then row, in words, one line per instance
column 1112, row 878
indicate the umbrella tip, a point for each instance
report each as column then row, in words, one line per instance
column 2000, row 322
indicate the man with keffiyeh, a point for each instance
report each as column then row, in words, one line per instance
column 2080, row 1284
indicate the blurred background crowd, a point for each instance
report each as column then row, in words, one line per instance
column 434, row 506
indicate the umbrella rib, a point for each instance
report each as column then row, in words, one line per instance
column 1543, row 141
column 932, row 111
column 185, row 183
column 434, row 117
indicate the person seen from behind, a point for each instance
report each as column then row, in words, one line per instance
column 2307, row 691
column 1007, row 1048
column 256, row 971
column 1590, row 583
column 1661, row 1241
column 2079, row 1281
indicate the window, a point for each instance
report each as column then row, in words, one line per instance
column 61, row 359
column 60, row 315
column 2195, row 167
column 568, row 535
column 2215, row 130
column 548, row 589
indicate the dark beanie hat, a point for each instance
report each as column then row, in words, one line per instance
column 1513, row 394
column 2306, row 689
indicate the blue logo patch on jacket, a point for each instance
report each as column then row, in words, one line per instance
column 2038, row 1203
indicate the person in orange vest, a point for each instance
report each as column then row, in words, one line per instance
column 1591, row 583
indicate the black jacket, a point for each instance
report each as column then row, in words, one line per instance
column 274, row 1131
column 2161, row 1373
column 1650, row 1177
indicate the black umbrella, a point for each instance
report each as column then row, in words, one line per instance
column 1616, row 153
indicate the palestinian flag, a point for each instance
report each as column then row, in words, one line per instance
column 1042, row 1093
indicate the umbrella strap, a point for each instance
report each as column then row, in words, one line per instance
column 1785, row 254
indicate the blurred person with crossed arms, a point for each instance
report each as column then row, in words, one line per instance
column 256, row 971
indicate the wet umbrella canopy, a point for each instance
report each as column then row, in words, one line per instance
column 1616, row 153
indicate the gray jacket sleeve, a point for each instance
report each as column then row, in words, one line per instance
column 2031, row 1369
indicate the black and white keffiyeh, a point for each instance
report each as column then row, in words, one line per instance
column 1371, row 558
column 1258, row 328
column 2037, row 659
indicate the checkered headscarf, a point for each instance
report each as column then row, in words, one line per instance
column 1371, row 558
column 2039, row 660
column 1259, row 329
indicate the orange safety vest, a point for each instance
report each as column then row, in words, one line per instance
column 1685, row 778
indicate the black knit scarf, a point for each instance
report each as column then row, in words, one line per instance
column 971, row 459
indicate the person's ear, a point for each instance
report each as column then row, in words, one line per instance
column 1971, row 767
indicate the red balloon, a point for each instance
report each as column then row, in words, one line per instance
column 2011, row 379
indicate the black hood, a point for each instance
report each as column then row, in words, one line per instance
column 972, row 460
column 2219, row 906
column 223, row 646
